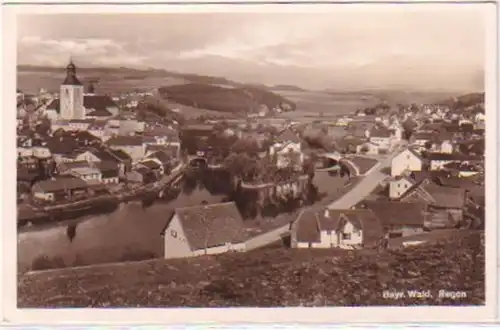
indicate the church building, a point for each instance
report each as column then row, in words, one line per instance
column 74, row 104
column 71, row 95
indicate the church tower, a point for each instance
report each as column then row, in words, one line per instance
column 71, row 95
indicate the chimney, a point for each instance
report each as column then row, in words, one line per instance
column 327, row 213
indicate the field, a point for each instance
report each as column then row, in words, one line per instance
column 310, row 103
column 271, row 277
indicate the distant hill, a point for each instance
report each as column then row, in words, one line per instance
column 241, row 99
column 290, row 88
column 464, row 101
column 110, row 80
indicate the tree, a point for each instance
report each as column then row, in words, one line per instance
column 248, row 146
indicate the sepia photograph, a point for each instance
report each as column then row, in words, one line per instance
column 248, row 158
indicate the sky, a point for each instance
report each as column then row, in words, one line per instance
column 355, row 49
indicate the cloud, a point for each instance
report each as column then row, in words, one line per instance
column 94, row 51
column 325, row 48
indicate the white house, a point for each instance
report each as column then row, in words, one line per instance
column 288, row 149
column 407, row 160
column 287, row 154
column 203, row 230
column 382, row 137
column 345, row 229
column 399, row 185
column 87, row 174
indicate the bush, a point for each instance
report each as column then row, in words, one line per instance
column 45, row 262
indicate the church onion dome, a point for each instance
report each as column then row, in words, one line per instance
column 71, row 78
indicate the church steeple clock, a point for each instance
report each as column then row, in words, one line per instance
column 71, row 95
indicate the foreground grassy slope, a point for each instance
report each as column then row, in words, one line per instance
column 270, row 277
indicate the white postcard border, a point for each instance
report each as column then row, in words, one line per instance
column 207, row 316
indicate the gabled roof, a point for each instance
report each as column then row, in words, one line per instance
column 380, row 131
column 120, row 155
column 162, row 152
column 60, row 183
column 424, row 135
column 452, row 156
column 98, row 102
column 288, row 136
column 125, row 141
column 62, row 145
column 67, row 166
column 446, row 197
column 411, row 151
column 213, row 224
column 398, row 213
column 310, row 223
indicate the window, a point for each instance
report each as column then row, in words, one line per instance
column 346, row 236
column 173, row 233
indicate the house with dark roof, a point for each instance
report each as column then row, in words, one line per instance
column 437, row 161
column 66, row 168
column 204, row 230
column 346, row 229
column 110, row 172
column 445, row 204
column 154, row 165
column 398, row 218
column 118, row 158
column 62, row 148
column 59, row 188
column 134, row 146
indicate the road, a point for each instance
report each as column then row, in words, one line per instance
column 369, row 182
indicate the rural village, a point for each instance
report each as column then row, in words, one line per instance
column 401, row 176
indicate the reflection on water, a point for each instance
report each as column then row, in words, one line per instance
column 130, row 233
column 107, row 238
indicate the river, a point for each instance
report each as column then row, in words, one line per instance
column 131, row 232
